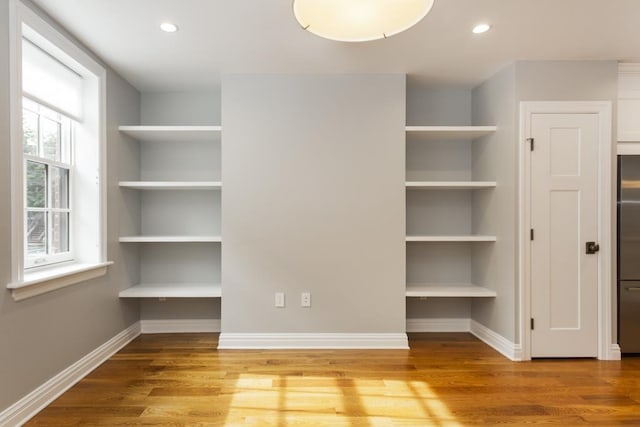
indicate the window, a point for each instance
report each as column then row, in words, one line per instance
column 57, row 159
column 47, row 152
column 47, row 144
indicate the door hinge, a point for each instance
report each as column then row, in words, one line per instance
column 532, row 324
column 531, row 234
column 531, row 142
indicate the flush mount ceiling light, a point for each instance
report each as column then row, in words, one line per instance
column 359, row 20
column 168, row 27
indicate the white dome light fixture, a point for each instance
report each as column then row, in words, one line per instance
column 359, row 20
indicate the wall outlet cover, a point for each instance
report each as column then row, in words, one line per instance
column 305, row 299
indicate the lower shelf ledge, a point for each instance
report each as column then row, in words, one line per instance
column 173, row 290
column 169, row 239
column 447, row 238
column 448, row 290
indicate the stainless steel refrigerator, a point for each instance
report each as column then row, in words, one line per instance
column 629, row 253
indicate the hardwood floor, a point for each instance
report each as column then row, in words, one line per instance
column 444, row 380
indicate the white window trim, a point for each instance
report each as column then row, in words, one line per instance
column 52, row 278
column 26, row 284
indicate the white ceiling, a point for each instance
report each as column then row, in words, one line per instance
column 262, row 36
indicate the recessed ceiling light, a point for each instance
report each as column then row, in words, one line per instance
column 168, row 27
column 481, row 28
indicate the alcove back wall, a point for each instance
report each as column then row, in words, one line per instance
column 313, row 201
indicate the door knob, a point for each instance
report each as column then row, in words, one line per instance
column 592, row 247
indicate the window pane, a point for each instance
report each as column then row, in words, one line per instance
column 36, row 233
column 30, row 132
column 36, row 185
column 50, row 134
column 58, row 187
column 59, row 226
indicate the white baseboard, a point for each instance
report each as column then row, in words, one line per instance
column 438, row 325
column 497, row 341
column 27, row 407
column 484, row 334
column 313, row 341
column 179, row 326
column 615, row 353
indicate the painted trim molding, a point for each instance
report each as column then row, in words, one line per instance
column 629, row 67
column 52, row 279
column 624, row 147
column 27, row 407
column 264, row 341
column 488, row 336
column 179, row 326
column 615, row 353
column 496, row 341
column 438, row 325
column 629, row 81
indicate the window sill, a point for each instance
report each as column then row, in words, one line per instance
column 50, row 279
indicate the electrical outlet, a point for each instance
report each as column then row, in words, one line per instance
column 280, row 299
column 305, row 299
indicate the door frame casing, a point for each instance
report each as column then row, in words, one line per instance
column 607, row 349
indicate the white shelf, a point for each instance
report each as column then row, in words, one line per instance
column 173, row 290
column 169, row 239
column 172, row 133
column 451, row 290
column 449, row 185
column 465, row 238
column 448, row 132
column 171, row 185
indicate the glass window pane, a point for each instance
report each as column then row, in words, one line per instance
column 47, row 136
column 59, row 226
column 30, row 132
column 58, row 187
column 36, row 185
column 36, row 233
column 50, row 135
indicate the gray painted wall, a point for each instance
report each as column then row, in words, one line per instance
column 495, row 211
column 438, row 212
column 437, row 105
column 181, row 308
column 181, row 108
column 313, row 201
column 41, row 336
column 193, row 262
column 567, row 81
column 497, row 100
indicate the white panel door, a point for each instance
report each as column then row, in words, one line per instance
column 564, row 217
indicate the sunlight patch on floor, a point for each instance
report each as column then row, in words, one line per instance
column 315, row 400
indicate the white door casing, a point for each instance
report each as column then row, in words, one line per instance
column 564, row 200
column 566, row 236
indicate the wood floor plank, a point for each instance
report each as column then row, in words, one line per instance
column 444, row 380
